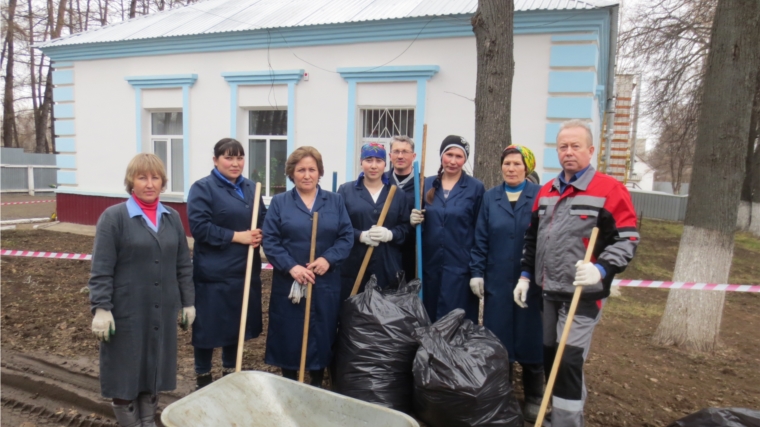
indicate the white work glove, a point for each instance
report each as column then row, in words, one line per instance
column 521, row 292
column 476, row 286
column 188, row 317
column 586, row 274
column 367, row 240
column 103, row 325
column 297, row 291
column 380, row 234
column 417, row 216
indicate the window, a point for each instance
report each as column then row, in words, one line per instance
column 380, row 125
column 167, row 142
column 268, row 149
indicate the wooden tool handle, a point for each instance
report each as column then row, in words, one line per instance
column 565, row 333
column 368, row 255
column 247, row 284
column 307, row 313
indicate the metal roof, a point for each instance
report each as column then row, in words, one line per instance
column 222, row 16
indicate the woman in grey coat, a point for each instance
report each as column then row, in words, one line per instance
column 141, row 276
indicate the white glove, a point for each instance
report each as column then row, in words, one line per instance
column 417, row 216
column 380, row 234
column 367, row 240
column 103, row 325
column 188, row 317
column 476, row 286
column 586, row 274
column 297, row 291
column 521, row 292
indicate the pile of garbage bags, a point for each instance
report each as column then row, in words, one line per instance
column 375, row 348
column 461, row 376
column 720, row 417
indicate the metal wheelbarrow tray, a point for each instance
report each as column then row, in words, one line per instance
column 257, row 399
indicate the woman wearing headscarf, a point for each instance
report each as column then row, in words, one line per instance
column 219, row 209
column 287, row 243
column 364, row 200
column 141, row 276
column 451, row 205
column 495, row 267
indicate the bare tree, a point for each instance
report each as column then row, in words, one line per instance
column 692, row 318
column 9, row 115
column 493, row 25
column 749, row 206
column 674, row 151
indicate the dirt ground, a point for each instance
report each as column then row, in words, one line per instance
column 631, row 382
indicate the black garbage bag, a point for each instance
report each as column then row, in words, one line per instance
column 375, row 348
column 461, row 376
column 720, row 417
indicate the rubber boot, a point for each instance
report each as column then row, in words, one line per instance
column 290, row 374
column 126, row 415
column 147, row 405
column 533, row 385
column 317, row 377
column 202, row 380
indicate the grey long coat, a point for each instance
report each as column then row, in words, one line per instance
column 143, row 278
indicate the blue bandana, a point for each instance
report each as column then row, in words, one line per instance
column 373, row 149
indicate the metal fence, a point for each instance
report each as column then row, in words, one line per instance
column 22, row 172
column 659, row 205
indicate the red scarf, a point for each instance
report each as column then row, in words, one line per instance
column 149, row 209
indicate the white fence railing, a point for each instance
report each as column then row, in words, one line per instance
column 28, row 178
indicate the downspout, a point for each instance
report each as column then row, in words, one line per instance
column 635, row 127
column 610, row 84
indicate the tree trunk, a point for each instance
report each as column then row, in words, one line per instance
column 9, row 113
column 747, row 220
column 692, row 318
column 132, row 8
column 493, row 27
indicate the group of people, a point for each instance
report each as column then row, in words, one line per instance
column 517, row 246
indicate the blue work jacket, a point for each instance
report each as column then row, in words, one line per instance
column 408, row 248
column 448, row 235
column 364, row 213
column 287, row 242
column 499, row 237
column 215, row 212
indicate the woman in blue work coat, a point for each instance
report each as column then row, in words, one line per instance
column 364, row 200
column 495, row 268
column 287, row 242
column 219, row 209
column 451, row 205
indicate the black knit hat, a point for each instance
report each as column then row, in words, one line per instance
column 455, row 141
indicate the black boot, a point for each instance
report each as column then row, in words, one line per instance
column 317, row 377
column 202, row 380
column 290, row 374
column 533, row 385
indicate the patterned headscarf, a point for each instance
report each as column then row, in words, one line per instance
column 373, row 149
column 527, row 155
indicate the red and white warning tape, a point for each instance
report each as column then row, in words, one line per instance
column 26, row 203
column 627, row 283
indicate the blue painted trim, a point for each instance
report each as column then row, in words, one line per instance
column 186, row 140
column 63, row 111
column 418, row 227
column 419, row 115
column 548, row 176
column 66, row 177
column 599, row 93
column 395, row 73
column 531, row 22
column 570, row 108
column 66, row 161
column 138, row 119
column 63, row 94
column 155, row 82
column 291, row 144
column 65, row 145
column 576, row 38
column 233, row 109
column 551, row 160
column 572, row 82
column 64, row 127
column 65, row 77
column 582, row 55
column 351, row 130
column 263, row 77
column 550, row 134
column 59, row 65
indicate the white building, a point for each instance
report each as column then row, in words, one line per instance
column 278, row 74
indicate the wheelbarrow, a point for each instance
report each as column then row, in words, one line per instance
column 255, row 399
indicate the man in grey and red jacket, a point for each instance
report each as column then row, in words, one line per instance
column 566, row 210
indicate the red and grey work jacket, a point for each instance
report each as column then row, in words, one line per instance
column 561, row 226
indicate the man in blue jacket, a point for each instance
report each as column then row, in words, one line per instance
column 400, row 175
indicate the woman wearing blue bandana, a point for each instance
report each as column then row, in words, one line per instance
column 364, row 200
column 219, row 209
